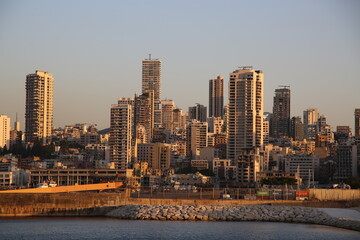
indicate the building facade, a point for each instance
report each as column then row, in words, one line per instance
column 357, row 123
column 4, row 131
column 144, row 118
column 196, row 138
column 280, row 125
column 296, row 129
column 39, row 107
column 167, row 109
column 311, row 117
column 216, row 97
column 198, row 112
column 157, row 155
column 120, row 135
column 151, row 80
column 245, row 111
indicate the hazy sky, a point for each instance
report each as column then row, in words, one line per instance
column 94, row 50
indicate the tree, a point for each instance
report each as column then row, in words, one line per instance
column 354, row 182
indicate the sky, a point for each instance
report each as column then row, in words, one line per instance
column 94, row 50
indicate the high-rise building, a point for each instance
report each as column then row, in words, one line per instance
column 346, row 161
column 144, row 116
column 121, row 135
column 216, row 97
column 280, row 125
column 4, row 131
column 198, row 112
column 151, row 80
column 357, row 123
column 215, row 125
column 297, row 129
column 196, row 138
column 167, row 109
column 311, row 117
column 179, row 119
column 39, row 107
column 245, row 111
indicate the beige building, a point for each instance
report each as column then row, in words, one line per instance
column 215, row 125
column 39, row 107
column 167, row 109
column 196, row 138
column 120, row 135
column 157, row 155
column 4, row 131
column 151, row 80
column 245, row 111
column 248, row 165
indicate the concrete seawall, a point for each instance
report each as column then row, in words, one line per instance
column 98, row 204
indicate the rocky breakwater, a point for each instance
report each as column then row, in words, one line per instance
column 232, row 213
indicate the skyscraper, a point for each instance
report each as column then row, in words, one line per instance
column 280, row 122
column 39, row 107
column 198, row 112
column 121, row 135
column 196, row 138
column 151, row 80
column 311, row 116
column 144, row 114
column 216, row 97
column 297, row 129
column 245, row 111
column 167, row 109
column 4, row 131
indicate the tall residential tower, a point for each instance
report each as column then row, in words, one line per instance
column 151, row 80
column 245, row 111
column 39, row 107
column 280, row 123
column 216, row 97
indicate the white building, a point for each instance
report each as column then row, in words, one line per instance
column 245, row 111
column 39, row 107
column 120, row 135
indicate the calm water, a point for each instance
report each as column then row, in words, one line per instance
column 105, row 228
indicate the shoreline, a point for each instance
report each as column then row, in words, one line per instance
column 249, row 213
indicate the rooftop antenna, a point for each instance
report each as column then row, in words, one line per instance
column 16, row 117
column 150, row 56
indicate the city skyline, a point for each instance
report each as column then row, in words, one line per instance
column 318, row 67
